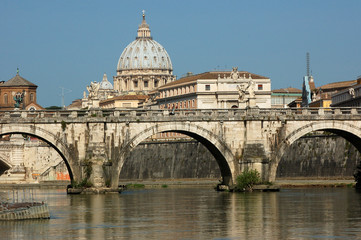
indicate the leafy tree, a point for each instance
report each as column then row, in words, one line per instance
column 53, row 108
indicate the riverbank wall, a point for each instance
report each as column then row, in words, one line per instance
column 317, row 156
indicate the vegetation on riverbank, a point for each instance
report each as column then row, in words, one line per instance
column 134, row 185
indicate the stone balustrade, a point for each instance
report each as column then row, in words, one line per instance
column 194, row 114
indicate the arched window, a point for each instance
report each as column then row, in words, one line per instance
column 6, row 100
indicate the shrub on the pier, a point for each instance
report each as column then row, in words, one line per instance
column 247, row 179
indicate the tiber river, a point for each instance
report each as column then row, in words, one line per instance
column 195, row 213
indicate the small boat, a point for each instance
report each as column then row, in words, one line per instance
column 24, row 210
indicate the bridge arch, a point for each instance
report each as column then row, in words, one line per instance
column 50, row 139
column 212, row 142
column 348, row 131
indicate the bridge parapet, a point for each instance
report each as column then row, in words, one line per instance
column 184, row 114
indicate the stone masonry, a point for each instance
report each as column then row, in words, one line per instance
column 94, row 144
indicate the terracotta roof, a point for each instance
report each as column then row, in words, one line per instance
column 18, row 81
column 338, row 85
column 209, row 75
column 76, row 104
column 287, row 90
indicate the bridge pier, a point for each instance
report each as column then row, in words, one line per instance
column 93, row 165
column 255, row 158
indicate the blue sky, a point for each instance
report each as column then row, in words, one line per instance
column 68, row 44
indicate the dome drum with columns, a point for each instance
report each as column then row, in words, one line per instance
column 143, row 65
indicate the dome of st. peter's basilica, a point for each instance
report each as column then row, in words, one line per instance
column 143, row 65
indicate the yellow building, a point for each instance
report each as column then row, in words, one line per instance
column 124, row 101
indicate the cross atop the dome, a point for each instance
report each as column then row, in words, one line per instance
column 143, row 15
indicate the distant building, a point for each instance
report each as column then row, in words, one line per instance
column 143, row 65
column 16, row 88
column 124, row 101
column 212, row 90
column 106, row 90
column 324, row 101
column 348, row 97
column 297, row 103
column 321, row 96
column 307, row 88
column 280, row 98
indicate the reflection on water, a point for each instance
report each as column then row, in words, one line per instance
column 195, row 214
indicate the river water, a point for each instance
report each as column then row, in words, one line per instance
column 195, row 213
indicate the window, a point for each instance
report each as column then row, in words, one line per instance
column 156, row 83
column 208, row 87
column 31, row 97
column 145, row 84
column 6, row 101
column 260, row 87
column 135, row 84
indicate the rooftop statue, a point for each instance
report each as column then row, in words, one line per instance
column 250, row 89
column 234, row 73
column 93, row 89
column 241, row 92
column 18, row 98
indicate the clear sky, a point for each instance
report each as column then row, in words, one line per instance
column 66, row 43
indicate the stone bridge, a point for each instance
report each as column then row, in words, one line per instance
column 95, row 143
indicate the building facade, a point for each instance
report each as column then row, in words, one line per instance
column 28, row 159
column 18, row 93
column 280, row 98
column 348, row 97
column 219, row 89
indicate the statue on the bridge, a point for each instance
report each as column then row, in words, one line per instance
column 93, row 89
column 18, row 98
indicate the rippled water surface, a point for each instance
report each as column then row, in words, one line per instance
column 190, row 213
